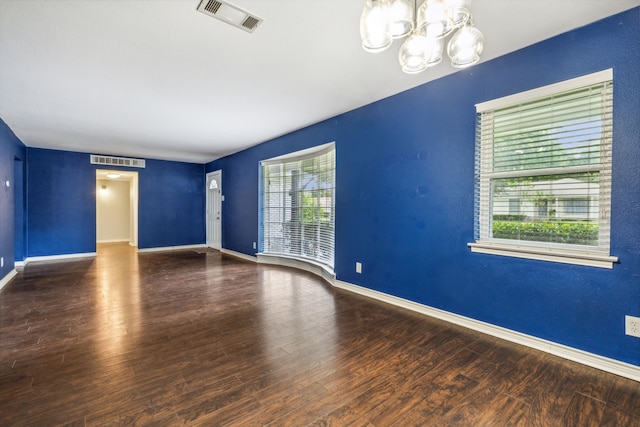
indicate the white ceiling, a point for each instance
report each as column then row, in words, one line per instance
column 158, row 79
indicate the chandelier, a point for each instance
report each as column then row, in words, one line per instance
column 425, row 29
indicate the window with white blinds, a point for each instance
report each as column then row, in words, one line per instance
column 298, row 205
column 543, row 173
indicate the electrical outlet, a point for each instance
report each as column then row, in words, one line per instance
column 358, row 267
column 632, row 326
column 254, row 245
column 1, row 262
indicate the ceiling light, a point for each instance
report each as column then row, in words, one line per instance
column 113, row 175
column 426, row 28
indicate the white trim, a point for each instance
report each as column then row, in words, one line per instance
column 20, row 263
column 209, row 223
column 545, row 254
column 58, row 257
column 594, row 256
column 171, row 248
column 552, row 89
column 300, row 155
column 6, row 279
column 239, row 255
column 617, row 367
column 306, row 265
column 114, row 241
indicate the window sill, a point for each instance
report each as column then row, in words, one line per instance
column 590, row 259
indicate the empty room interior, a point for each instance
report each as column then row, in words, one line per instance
column 339, row 212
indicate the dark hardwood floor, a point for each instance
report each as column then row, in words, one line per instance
column 204, row 339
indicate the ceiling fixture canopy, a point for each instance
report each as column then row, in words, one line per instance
column 425, row 28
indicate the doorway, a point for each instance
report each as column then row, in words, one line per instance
column 116, row 206
column 214, row 209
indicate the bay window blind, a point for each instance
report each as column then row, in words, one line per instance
column 298, row 206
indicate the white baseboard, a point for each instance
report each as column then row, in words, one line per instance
column 613, row 366
column 113, row 241
column 171, row 248
column 55, row 258
column 239, row 255
column 311, row 267
column 6, row 279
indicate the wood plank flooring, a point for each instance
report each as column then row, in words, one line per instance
column 186, row 338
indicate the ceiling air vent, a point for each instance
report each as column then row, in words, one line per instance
column 117, row 161
column 231, row 14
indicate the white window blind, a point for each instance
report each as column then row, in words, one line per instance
column 543, row 170
column 298, row 206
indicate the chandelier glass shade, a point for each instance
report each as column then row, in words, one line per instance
column 401, row 18
column 374, row 26
column 425, row 27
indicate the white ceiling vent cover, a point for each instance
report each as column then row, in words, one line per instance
column 231, row 14
column 117, row 161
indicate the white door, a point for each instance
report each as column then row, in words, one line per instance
column 214, row 209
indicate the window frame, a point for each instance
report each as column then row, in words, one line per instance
column 302, row 211
column 563, row 253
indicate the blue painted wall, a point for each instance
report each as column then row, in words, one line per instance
column 171, row 204
column 12, row 155
column 405, row 186
column 19, row 206
column 62, row 203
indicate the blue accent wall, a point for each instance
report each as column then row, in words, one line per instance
column 19, row 206
column 405, row 196
column 12, row 155
column 62, row 203
column 171, row 204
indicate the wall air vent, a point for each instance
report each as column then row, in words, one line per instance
column 117, row 161
column 231, row 14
